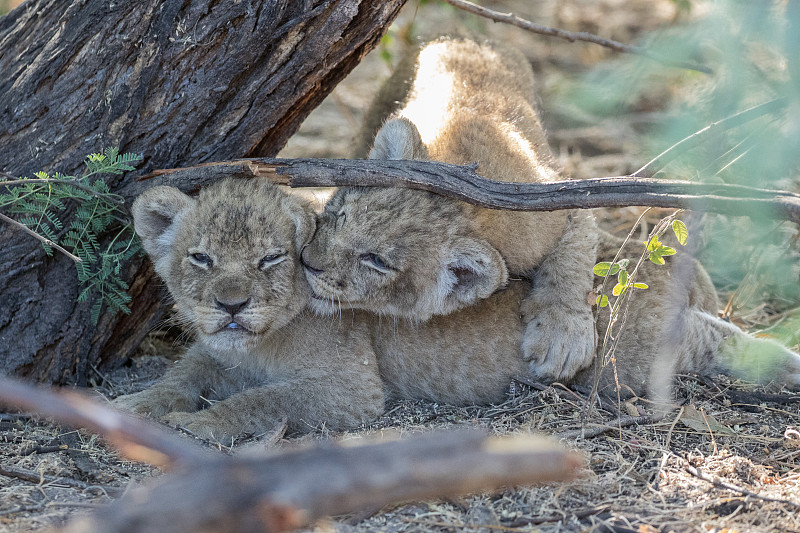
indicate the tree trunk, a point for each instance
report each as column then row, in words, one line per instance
column 180, row 82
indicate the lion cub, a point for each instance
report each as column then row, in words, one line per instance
column 229, row 259
column 415, row 255
column 470, row 356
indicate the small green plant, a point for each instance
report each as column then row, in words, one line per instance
column 655, row 251
column 41, row 202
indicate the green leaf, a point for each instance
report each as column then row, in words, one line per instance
column 666, row 250
column 614, row 269
column 681, row 232
column 601, row 269
column 618, row 289
column 657, row 259
column 641, row 285
column 602, row 300
column 653, row 243
column 622, row 279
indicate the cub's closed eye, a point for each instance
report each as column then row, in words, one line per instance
column 201, row 259
column 272, row 259
column 375, row 262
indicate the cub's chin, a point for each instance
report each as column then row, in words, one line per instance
column 236, row 337
column 326, row 306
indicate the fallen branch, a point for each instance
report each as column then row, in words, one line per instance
column 289, row 491
column 510, row 18
column 135, row 438
column 463, row 183
column 283, row 492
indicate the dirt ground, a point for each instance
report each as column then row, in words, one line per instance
column 723, row 458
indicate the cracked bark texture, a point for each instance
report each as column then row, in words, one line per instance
column 181, row 82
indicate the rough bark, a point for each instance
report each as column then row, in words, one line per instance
column 178, row 81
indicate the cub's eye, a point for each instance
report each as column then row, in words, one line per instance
column 272, row 259
column 375, row 262
column 201, row 259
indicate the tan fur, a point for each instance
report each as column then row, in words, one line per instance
column 282, row 361
column 466, row 103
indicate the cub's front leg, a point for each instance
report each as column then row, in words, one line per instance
column 560, row 332
column 181, row 388
column 305, row 402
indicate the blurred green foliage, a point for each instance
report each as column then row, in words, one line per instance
column 754, row 51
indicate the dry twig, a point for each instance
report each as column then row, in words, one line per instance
column 45, row 240
column 510, row 18
column 588, row 433
column 39, row 478
column 717, row 482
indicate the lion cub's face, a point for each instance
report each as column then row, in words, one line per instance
column 397, row 252
column 229, row 258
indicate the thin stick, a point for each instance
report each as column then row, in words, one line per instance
column 699, row 137
column 38, row 478
column 45, row 240
column 622, row 423
column 717, row 482
column 521, row 522
column 13, row 180
column 672, row 427
column 510, row 18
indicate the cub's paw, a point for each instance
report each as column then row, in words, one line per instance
column 147, row 402
column 558, row 342
column 203, row 424
column 154, row 402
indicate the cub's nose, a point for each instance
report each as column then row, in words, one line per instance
column 305, row 263
column 232, row 307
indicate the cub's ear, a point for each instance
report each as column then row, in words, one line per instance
column 470, row 271
column 305, row 222
column 156, row 215
column 398, row 139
